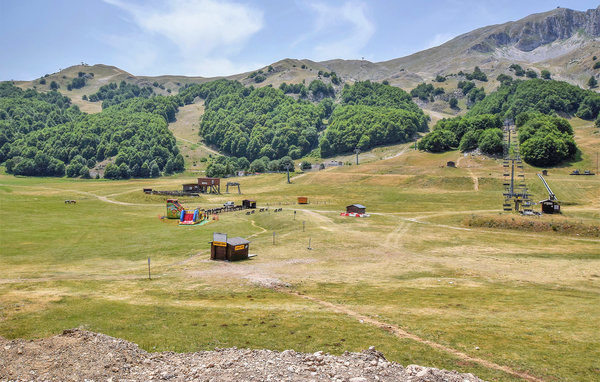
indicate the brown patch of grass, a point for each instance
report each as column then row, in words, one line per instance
column 533, row 224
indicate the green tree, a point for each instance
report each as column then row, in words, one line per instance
column 504, row 79
column 490, row 141
column 545, row 74
column 531, row 73
column 592, row 82
column 145, row 170
column 111, row 171
column 438, row 141
column 154, row 170
column 453, row 103
column 470, row 140
column 258, row 165
column 124, row 171
column 84, row 172
column 54, row 85
column 74, row 169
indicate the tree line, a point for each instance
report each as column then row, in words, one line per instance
column 371, row 114
column 545, row 138
column 42, row 134
column 111, row 94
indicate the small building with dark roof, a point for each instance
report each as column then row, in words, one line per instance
column 450, row 164
column 356, row 209
column 550, row 206
column 249, row 203
column 191, row 187
column 235, row 248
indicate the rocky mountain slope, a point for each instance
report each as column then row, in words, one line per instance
column 562, row 41
column 540, row 39
column 79, row 355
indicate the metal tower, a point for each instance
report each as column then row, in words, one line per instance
column 516, row 195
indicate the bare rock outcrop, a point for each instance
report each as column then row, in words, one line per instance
column 78, row 355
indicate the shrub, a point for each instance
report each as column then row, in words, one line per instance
column 438, row 141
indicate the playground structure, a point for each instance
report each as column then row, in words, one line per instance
column 174, row 209
column 191, row 217
column 550, row 205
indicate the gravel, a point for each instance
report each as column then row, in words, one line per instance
column 79, row 355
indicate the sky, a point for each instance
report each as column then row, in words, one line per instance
column 221, row 37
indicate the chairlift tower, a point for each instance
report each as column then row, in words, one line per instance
column 516, row 195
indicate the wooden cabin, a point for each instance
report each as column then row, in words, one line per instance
column 450, row 164
column 356, row 209
column 235, row 248
column 249, row 203
column 302, row 200
column 209, row 185
column 550, row 206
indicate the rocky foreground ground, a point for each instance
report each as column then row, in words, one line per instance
column 79, row 355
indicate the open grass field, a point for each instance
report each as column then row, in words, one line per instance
column 412, row 279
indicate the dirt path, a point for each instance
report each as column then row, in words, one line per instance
column 475, row 178
column 399, row 152
column 107, row 200
column 401, row 333
column 392, row 239
column 327, row 223
column 263, row 230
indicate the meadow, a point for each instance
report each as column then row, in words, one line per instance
column 412, row 279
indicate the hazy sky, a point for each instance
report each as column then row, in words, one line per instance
column 220, row 37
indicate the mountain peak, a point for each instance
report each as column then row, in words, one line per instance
column 539, row 29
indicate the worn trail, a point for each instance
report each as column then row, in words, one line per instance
column 401, row 333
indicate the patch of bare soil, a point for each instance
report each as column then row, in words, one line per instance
column 78, row 355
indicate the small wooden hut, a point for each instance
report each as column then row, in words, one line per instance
column 550, row 206
column 302, row 200
column 230, row 249
column 450, row 164
column 249, row 203
column 545, row 172
column 191, row 187
column 356, row 209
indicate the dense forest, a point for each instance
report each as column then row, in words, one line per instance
column 371, row 114
column 254, row 123
column 266, row 124
column 546, row 139
column 42, row 134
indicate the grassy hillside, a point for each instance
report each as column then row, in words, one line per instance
column 522, row 300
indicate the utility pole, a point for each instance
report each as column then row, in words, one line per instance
column 357, row 151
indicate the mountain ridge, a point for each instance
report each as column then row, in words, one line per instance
column 561, row 40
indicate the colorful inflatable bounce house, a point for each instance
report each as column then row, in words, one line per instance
column 190, row 217
column 174, row 209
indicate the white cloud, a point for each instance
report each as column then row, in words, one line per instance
column 439, row 39
column 349, row 26
column 203, row 31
